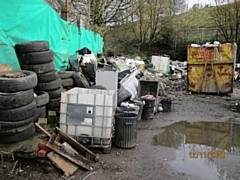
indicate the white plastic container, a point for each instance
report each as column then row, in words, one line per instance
column 87, row 112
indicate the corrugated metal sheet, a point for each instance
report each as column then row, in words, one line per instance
column 211, row 68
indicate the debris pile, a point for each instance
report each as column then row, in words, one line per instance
column 92, row 109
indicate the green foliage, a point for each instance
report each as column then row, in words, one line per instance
column 108, row 51
column 195, row 26
column 133, row 52
column 174, row 55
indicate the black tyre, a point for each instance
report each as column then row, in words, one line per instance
column 47, row 77
column 13, row 81
column 43, row 115
column 67, row 82
column 14, row 130
column 54, row 103
column 52, row 85
column 41, row 112
column 28, row 132
column 97, row 87
column 10, row 125
column 39, row 68
column 16, row 99
column 80, row 80
column 42, row 98
column 34, row 58
column 55, row 93
column 18, row 114
column 32, row 46
column 66, row 74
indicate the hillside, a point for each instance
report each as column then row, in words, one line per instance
column 194, row 26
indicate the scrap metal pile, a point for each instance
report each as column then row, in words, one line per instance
column 169, row 75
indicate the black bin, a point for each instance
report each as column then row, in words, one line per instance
column 148, row 108
column 166, row 105
column 126, row 130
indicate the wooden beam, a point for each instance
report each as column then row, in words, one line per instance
column 68, row 153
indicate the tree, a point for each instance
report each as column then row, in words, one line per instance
column 97, row 16
column 226, row 16
column 152, row 18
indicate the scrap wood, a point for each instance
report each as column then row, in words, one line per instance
column 65, row 137
column 43, row 130
column 62, row 163
column 69, row 146
column 68, row 153
column 76, row 144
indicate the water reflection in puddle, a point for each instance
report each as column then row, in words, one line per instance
column 209, row 150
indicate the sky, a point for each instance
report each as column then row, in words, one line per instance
column 204, row 2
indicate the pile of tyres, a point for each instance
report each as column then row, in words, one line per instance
column 70, row 79
column 18, row 108
column 37, row 57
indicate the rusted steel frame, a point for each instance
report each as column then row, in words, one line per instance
column 215, row 77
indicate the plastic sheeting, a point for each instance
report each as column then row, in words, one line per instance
column 30, row 20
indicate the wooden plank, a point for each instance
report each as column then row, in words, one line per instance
column 43, row 130
column 62, row 163
column 70, row 147
column 5, row 67
column 68, row 153
column 74, row 143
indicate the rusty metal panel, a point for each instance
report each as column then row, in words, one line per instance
column 210, row 80
column 211, row 69
column 5, row 67
column 216, row 54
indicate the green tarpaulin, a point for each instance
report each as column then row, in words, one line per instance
column 30, row 20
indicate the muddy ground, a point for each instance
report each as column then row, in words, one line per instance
column 198, row 123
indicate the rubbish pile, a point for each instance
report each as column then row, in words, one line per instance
column 96, row 99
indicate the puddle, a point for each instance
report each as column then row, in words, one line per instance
column 208, row 150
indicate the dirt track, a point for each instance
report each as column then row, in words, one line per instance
column 163, row 145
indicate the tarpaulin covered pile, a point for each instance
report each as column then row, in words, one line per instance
column 30, row 20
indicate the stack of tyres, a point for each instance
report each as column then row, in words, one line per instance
column 41, row 98
column 66, row 77
column 17, row 105
column 70, row 79
column 36, row 56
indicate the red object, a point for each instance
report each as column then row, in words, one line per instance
column 206, row 54
column 42, row 145
column 148, row 97
column 42, row 153
column 83, row 64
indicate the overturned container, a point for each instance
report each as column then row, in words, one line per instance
column 126, row 129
